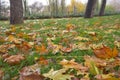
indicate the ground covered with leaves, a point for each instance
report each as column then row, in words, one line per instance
column 61, row 49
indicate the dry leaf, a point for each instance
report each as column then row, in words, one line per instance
column 105, row 52
column 41, row 49
column 92, row 33
column 43, row 61
column 100, row 63
column 72, row 64
column 24, row 46
column 1, row 74
column 4, row 48
column 58, row 75
column 14, row 59
column 70, row 27
column 27, row 74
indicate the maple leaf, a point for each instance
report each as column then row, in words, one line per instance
column 67, row 49
column 106, row 77
column 1, row 74
column 41, row 49
column 2, row 39
column 14, row 59
column 82, row 45
column 58, row 75
column 100, row 63
column 113, row 63
column 105, row 52
column 27, row 74
column 43, row 61
column 53, row 47
column 4, row 48
column 117, row 43
column 72, row 64
column 24, row 46
column 11, row 38
column 70, row 27
column 94, row 64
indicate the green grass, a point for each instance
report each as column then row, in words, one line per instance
column 45, row 26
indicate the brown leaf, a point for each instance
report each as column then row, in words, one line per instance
column 4, row 48
column 73, row 64
column 100, row 63
column 24, row 46
column 1, row 74
column 70, row 27
column 43, row 61
column 105, row 52
column 14, row 59
column 27, row 74
column 66, row 49
column 42, row 49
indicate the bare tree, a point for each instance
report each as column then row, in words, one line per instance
column 16, row 12
column 90, row 8
column 102, row 9
column 36, row 7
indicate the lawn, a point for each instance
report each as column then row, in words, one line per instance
column 46, row 44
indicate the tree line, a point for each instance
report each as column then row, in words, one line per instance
column 19, row 9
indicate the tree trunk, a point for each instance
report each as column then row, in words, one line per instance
column 90, row 8
column 0, row 9
column 102, row 9
column 63, row 7
column 97, row 7
column 16, row 12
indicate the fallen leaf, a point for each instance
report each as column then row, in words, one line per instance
column 58, row 75
column 67, row 49
column 70, row 27
column 43, row 61
column 14, row 59
column 100, row 63
column 92, row 33
column 106, row 77
column 105, row 52
column 27, row 74
column 81, row 38
column 72, row 64
column 41, row 49
column 1, row 74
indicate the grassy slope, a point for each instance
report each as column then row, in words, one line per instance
column 103, row 26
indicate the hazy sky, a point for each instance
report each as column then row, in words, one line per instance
column 45, row 1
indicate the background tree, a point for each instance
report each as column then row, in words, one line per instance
column 26, row 8
column 63, row 7
column 90, row 8
column 36, row 8
column 97, row 7
column 116, row 5
column 0, row 9
column 16, row 11
column 102, row 9
column 54, row 7
column 75, row 8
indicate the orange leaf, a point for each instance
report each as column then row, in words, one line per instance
column 105, row 52
column 43, row 61
column 42, row 49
